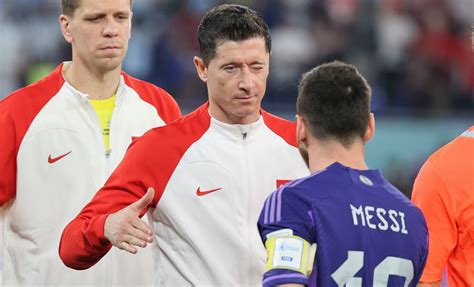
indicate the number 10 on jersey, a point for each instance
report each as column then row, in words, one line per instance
column 344, row 275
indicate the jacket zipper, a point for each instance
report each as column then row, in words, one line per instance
column 247, row 191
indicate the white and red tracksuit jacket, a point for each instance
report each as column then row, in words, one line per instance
column 210, row 181
column 53, row 161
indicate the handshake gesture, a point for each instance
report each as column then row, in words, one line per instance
column 125, row 230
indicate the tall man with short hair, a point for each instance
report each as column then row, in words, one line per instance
column 62, row 137
column 344, row 225
column 207, row 174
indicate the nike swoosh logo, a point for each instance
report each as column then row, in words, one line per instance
column 200, row 192
column 55, row 159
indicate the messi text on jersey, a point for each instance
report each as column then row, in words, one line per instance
column 379, row 218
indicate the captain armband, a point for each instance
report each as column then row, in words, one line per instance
column 287, row 251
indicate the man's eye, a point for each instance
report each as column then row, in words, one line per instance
column 95, row 19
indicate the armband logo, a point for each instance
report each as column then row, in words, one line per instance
column 290, row 252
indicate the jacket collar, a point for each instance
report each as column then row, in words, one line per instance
column 83, row 97
column 236, row 131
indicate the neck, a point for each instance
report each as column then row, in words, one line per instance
column 323, row 154
column 98, row 85
column 228, row 118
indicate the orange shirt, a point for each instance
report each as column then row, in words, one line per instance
column 444, row 190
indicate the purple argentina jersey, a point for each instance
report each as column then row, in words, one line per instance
column 367, row 232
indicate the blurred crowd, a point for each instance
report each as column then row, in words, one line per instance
column 416, row 54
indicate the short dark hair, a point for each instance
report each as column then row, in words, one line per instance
column 70, row 6
column 230, row 22
column 334, row 99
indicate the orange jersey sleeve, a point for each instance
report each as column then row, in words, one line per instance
column 432, row 196
column 444, row 190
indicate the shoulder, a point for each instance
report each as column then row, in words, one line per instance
column 38, row 93
column 143, row 88
column 283, row 128
column 453, row 152
column 297, row 190
column 289, row 203
column 164, row 103
column 394, row 192
column 437, row 173
column 179, row 135
column 397, row 199
column 20, row 108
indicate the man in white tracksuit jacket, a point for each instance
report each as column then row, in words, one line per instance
column 207, row 174
column 53, row 152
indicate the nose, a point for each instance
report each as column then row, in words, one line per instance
column 246, row 82
column 110, row 29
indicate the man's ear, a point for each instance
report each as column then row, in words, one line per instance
column 201, row 68
column 65, row 24
column 301, row 131
column 370, row 131
column 302, row 138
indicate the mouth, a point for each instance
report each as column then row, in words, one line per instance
column 245, row 98
column 110, row 48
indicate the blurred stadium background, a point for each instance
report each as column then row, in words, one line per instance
column 416, row 54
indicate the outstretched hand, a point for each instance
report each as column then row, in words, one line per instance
column 125, row 230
